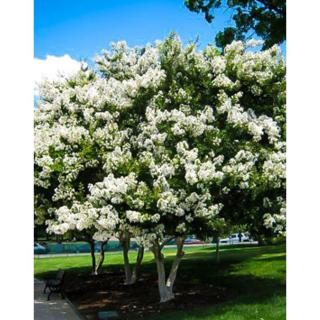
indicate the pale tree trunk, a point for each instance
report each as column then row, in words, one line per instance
column 165, row 285
column 136, row 269
column 101, row 257
column 131, row 274
column 93, row 257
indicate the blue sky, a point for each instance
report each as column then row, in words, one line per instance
column 83, row 28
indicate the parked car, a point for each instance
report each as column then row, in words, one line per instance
column 234, row 238
column 38, row 248
column 193, row 241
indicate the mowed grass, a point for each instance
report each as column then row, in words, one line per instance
column 44, row 267
column 255, row 276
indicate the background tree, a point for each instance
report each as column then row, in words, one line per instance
column 266, row 18
column 214, row 231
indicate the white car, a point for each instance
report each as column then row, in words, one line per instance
column 234, row 239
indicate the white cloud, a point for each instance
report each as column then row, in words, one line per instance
column 52, row 66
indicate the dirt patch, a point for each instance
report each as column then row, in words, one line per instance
column 106, row 292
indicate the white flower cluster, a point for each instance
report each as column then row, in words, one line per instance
column 237, row 116
column 78, row 217
column 181, row 121
column 276, row 221
column 102, row 235
column 108, row 218
column 203, row 172
column 112, row 189
column 240, row 167
column 274, row 168
column 133, row 216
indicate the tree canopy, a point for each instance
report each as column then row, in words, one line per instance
column 265, row 18
column 164, row 141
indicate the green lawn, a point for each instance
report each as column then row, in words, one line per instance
column 44, row 267
column 255, row 275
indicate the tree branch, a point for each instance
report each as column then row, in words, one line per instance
column 176, row 262
column 166, row 241
column 270, row 6
column 101, row 256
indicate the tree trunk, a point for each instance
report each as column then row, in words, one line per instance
column 93, row 257
column 218, row 250
column 125, row 241
column 165, row 293
column 165, row 286
column 101, row 257
column 131, row 274
column 136, row 269
column 260, row 239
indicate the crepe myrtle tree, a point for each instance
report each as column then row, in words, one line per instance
column 43, row 216
column 60, row 171
column 97, row 266
column 82, row 127
column 183, row 133
column 111, row 199
column 87, row 236
column 211, row 128
column 42, row 206
column 66, row 223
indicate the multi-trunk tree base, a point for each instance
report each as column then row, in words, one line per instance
column 96, row 267
column 131, row 272
column 165, row 285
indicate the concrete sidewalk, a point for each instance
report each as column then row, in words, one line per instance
column 55, row 309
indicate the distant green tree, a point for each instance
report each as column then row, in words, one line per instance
column 267, row 18
column 215, row 229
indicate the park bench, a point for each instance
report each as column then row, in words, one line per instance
column 55, row 285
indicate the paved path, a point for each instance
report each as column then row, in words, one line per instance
column 55, row 309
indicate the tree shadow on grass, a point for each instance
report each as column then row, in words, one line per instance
column 192, row 296
column 241, row 291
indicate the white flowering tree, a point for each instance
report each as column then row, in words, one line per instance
column 111, row 199
column 165, row 141
column 81, row 135
column 67, row 158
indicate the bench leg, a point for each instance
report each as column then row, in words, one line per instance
column 49, row 295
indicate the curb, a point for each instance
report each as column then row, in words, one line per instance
column 76, row 311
